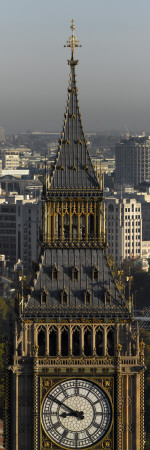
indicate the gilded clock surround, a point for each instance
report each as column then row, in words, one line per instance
column 106, row 384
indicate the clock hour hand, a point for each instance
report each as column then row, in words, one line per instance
column 78, row 414
column 72, row 412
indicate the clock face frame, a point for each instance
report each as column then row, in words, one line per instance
column 76, row 413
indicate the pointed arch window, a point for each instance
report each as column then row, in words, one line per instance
column 75, row 274
column 76, row 341
column 64, row 297
column 88, row 341
column 44, row 295
column 99, row 341
column 55, row 273
column 53, row 341
column 95, row 274
column 87, row 298
column 110, row 342
column 41, row 342
column 107, row 297
column 65, row 342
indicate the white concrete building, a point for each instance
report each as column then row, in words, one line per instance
column 146, row 249
column 124, row 228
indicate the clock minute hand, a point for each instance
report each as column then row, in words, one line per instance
column 74, row 413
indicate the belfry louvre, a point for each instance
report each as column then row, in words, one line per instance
column 74, row 376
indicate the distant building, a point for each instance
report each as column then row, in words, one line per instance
column 19, row 231
column 146, row 220
column 23, row 186
column 146, row 249
column 124, row 228
column 2, row 134
column 132, row 161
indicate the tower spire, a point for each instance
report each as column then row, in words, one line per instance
column 72, row 43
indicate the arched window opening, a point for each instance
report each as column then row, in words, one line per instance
column 107, row 298
column 65, row 343
column 75, row 274
column 82, row 226
column 43, row 297
column 41, row 343
column 99, row 343
column 64, row 298
column 88, row 343
column 55, row 273
column 91, row 226
column 76, row 343
column 53, row 344
column 95, row 274
column 87, row 298
column 74, row 227
column 110, row 342
column 59, row 226
column 66, row 226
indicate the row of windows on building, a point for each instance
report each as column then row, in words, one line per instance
column 75, row 273
column 87, row 297
column 111, row 208
column 133, row 217
column 78, row 343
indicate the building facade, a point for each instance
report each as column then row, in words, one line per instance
column 74, row 379
column 132, row 161
column 19, row 231
column 123, row 228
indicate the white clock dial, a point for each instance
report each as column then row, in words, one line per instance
column 76, row 414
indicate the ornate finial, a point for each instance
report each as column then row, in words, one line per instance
column 72, row 42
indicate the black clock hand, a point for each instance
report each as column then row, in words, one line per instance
column 74, row 413
column 78, row 414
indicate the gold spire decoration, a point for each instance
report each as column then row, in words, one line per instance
column 72, row 41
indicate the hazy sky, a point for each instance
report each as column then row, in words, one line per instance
column 113, row 75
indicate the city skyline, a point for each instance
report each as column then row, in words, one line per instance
column 113, row 72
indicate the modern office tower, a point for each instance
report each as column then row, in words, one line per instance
column 123, row 228
column 19, row 231
column 28, row 224
column 132, row 161
column 74, row 378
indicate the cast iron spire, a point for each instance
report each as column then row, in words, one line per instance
column 73, row 167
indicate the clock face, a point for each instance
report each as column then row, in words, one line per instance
column 76, row 414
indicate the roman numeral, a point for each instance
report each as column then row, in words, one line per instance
column 76, row 439
column 56, row 425
column 89, row 436
column 64, row 435
column 76, row 389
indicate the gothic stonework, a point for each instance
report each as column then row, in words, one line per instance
column 75, row 378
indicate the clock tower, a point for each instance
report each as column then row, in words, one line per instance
column 74, row 379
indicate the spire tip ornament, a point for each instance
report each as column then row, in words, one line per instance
column 72, row 43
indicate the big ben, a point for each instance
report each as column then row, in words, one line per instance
column 75, row 376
